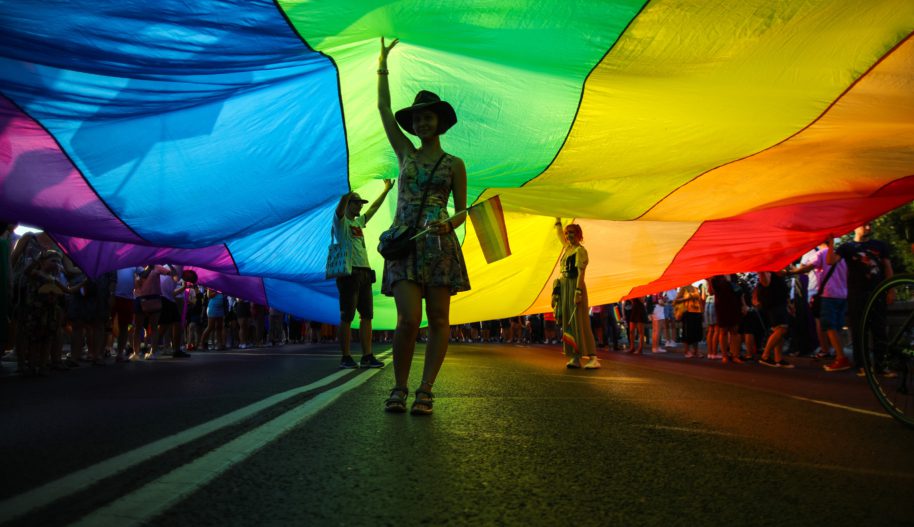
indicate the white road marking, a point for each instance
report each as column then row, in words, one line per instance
column 48, row 493
column 842, row 407
column 692, row 430
column 835, row 468
column 157, row 496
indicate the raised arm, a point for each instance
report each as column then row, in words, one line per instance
column 388, row 184
column 398, row 140
column 559, row 231
column 832, row 257
column 341, row 206
column 19, row 249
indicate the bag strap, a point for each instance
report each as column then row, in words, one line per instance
column 825, row 281
column 425, row 192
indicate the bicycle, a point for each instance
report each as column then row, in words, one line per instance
column 888, row 359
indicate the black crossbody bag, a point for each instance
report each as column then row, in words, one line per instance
column 396, row 243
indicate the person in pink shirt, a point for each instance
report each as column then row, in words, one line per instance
column 832, row 303
column 149, row 293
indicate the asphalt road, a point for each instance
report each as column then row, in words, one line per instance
column 281, row 437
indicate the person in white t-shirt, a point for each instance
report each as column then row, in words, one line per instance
column 658, row 319
column 355, row 289
column 669, row 321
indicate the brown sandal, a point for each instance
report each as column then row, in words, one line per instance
column 396, row 403
column 423, row 406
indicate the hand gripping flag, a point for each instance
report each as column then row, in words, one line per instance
column 489, row 223
column 568, row 332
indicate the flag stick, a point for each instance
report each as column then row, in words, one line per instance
column 426, row 230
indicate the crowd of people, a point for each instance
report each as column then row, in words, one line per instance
column 144, row 312
column 57, row 318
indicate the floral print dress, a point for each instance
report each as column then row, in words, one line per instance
column 437, row 260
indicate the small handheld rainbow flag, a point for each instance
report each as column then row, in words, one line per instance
column 567, row 336
column 489, row 222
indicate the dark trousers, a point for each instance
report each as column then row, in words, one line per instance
column 856, row 303
column 611, row 329
column 803, row 329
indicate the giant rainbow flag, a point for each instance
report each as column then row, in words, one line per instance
column 687, row 138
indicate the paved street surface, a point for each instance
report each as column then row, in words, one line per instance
column 280, row 436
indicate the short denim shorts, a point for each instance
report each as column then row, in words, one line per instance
column 832, row 313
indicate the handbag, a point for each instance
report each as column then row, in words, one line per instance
column 679, row 309
column 338, row 261
column 396, row 243
column 557, row 298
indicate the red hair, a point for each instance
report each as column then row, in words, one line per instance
column 577, row 230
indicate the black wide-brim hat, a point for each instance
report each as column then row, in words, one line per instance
column 426, row 100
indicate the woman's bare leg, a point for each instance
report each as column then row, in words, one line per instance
column 408, row 297
column 437, row 309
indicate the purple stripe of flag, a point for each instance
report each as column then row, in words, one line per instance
column 40, row 186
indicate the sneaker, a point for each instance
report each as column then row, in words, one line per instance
column 784, row 364
column 659, row 350
column 860, row 372
column 180, row 354
column 348, row 363
column 841, row 364
column 768, row 362
column 574, row 363
column 152, row 355
column 592, row 364
column 368, row 361
column 889, row 374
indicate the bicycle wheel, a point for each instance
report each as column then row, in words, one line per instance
column 887, row 342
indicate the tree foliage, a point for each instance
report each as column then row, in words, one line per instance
column 891, row 229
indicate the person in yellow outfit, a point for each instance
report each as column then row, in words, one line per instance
column 570, row 300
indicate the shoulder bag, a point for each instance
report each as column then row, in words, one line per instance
column 338, row 261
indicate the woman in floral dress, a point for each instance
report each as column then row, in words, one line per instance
column 435, row 270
